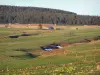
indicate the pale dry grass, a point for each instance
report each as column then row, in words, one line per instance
column 35, row 26
column 84, row 27
column 23, row 25
column 53, row 52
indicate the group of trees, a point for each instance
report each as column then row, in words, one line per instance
column 29, row 15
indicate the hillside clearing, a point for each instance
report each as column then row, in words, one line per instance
column 14, row 53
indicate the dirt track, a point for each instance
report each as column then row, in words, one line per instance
column 62, row 51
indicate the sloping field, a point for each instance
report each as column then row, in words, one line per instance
column 23, row 55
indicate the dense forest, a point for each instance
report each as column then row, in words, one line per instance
column 29, row 15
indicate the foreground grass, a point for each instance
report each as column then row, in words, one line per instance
column 15, row 61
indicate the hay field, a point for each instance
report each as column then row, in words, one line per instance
column 35, row 26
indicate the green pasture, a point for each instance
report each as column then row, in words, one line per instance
column 14, row 51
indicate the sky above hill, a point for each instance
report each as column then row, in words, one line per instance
column 84, row 7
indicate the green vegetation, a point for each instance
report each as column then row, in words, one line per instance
column 81, row 58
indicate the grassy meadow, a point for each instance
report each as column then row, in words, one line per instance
column 23, row 56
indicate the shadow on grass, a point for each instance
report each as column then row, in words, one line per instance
column 27, row 55
column 26, row 34
column 23, row 49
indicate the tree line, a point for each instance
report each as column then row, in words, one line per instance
column 29, row 15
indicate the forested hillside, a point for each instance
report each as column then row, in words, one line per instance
column 29, row 15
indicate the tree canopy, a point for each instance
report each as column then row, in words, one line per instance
column 29, row 15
